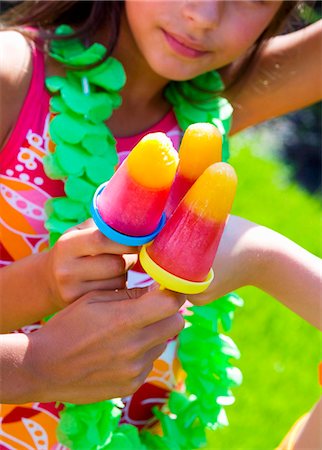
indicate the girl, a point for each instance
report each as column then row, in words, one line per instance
column 156, row 42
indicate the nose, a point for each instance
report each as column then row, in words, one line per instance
column 203, row 13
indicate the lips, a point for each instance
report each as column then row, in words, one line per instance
column 183, row 46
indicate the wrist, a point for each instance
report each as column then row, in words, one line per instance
column 48, row 283
column 19, row 384
column 257, row 257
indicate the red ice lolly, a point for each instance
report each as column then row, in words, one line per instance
column 134, row 199
column 187, row 245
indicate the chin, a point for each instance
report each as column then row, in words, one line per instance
column 175, row 73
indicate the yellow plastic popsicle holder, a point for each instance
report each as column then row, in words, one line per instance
column 169, row 281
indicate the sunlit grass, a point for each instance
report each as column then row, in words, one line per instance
column 280, row 351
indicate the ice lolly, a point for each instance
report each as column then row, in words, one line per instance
column 181, row 256
column 200, row 147
column 133, row 200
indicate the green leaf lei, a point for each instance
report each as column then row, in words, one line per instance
column 84, row 157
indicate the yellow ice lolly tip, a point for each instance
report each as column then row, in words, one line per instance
column 153, row 161
column 200, row 147
column 212, row 195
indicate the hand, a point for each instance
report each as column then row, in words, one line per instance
column 84, row 260
column 235, row 263
column 103, row 345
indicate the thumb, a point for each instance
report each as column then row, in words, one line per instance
column 207, row 296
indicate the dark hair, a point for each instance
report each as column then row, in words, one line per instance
column 84, row 16
column 87, row 16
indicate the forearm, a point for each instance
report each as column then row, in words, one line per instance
column 288, row 273
column 17, row 382
column 25, row 295
column 311, row 436
column 286, row 76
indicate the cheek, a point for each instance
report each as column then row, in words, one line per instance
column 137, row 14
column 143, row 12
column 242, row 33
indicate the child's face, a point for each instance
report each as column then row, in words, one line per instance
column 180, row 39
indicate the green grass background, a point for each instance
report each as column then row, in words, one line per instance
column 280, row 352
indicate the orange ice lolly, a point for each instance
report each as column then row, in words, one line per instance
column 200, row 147
column 187, row 245
column 134, row 199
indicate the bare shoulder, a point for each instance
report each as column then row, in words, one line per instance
column 15, row 76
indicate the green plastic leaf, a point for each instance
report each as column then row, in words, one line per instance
column 57, row 105
column 57, row 225
column 91, row 55
column 68, row 128
column 234, row 299
column 154, row 442
column 74, row 432
column 126, row 437
column 65, row 48
column 68, row 209
column 77, row 188
column 178, row 402
column 99, row 170
column 96, row 107
column 73, row 52
column 52, row 167
column 109, row 75
column 98, row 145
column 72, row 159
column 55, row 83
column 211, row 81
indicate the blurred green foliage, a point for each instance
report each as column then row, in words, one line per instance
column 280, row 352
column 310, row 13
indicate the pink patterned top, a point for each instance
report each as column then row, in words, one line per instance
column 24, row 191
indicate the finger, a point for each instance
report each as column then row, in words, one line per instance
column 100, row 267
column 90, row 241
column 88, row 223
column 155, row 306
column 112, row 284
column 155, row 352
column 102, row 296
column 162, row 331
column 147, row 361
column 201, row 299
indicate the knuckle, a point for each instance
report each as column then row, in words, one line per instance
column 88, row 223
column 161, row 349
column 132, row 387
column 118, row 264
column 171, row 305
column 131, row 353
column 92, row 296
column 180, row 322
column 68, row 295
column 98, row 240
column 176, row 324
column 137, row 382
column 155, row 353
column 135, row 370
column 122, row 281
column 63, row 274
column 122, row 321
